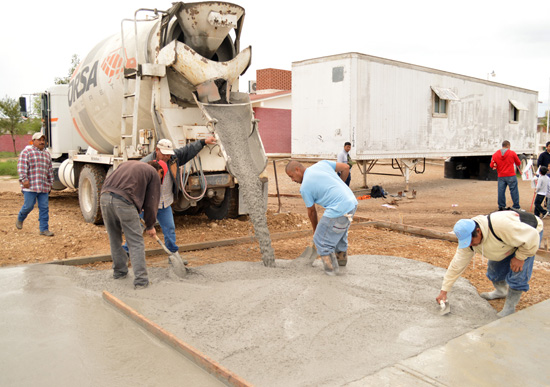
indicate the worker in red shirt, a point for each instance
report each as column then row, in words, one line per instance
column 504, row 161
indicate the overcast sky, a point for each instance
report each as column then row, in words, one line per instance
column 474, row 38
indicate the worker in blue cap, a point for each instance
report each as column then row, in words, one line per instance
column 507, row 243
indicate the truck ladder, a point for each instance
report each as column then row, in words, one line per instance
column 130, row 100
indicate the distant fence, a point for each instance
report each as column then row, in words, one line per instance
column 21, row 141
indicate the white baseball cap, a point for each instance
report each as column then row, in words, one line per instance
column 165, row 146
column 37, row 136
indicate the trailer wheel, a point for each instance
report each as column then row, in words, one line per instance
column 228, row 208
column 89, row 188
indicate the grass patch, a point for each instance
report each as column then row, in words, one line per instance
column 8, row 168
column 8, row 155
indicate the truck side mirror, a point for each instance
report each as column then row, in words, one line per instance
column 23, row 107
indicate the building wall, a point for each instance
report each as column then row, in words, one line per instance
column 273, row 79
column 274, row 129
column 21, row 141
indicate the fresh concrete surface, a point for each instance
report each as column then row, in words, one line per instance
column 375, row 324
column 512, row 351
column 54, row 333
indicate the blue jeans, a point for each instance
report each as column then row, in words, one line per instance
column 165, row 217
column 120, row 217
column 348, row 180
column 512, row 183
column 501, row 271
column 30, row 198
column 331, row 234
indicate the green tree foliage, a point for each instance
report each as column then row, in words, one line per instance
column 12, row 123
column 75, row 60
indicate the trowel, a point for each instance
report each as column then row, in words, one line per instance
column 445, row 308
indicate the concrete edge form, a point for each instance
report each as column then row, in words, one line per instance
column 201, row 360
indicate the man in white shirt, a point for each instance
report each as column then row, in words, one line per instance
column 344, row 157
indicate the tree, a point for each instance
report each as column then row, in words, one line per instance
column 543, row 120
column 75, row 60
column 11, row 120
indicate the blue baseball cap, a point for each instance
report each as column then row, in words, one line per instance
column 463, row 230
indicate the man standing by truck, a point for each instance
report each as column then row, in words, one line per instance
column 132, row 188
column 36, row 180
column 321, row 185
column 505, row 161
column 544, row 157
column 174, row 158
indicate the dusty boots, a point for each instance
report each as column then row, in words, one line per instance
column 501, row 289
column 330, row 263
column 342, row 258
column 512, row 300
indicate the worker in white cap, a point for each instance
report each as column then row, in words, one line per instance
column 36, row 179
column 507, row 243
column 174, row 158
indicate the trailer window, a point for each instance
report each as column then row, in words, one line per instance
column 515, row 107
column 337, row 74
column 440, row 105
column 440, row 97
column 514, row 114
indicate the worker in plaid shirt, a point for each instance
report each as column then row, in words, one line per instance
column 36, row 179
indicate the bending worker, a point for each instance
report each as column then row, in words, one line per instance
column 321, row 185
column 132, row 188
column 508, row 244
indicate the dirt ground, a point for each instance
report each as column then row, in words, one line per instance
column 432, row 202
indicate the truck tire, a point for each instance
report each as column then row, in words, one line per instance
column 89, row 188
column 228, row 208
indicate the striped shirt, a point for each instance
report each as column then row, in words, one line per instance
column 35, row 165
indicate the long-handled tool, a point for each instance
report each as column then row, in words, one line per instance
column 445, row 307
column 175, row 260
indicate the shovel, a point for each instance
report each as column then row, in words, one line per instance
column 175, row 260
column 445, row 308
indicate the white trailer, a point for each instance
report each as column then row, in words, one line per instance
column 407, row 113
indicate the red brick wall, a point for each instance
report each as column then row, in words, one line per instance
column 273, row 79
column 274, row 129
column 21, row 141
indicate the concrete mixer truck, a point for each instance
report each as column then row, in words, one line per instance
column 157, row 79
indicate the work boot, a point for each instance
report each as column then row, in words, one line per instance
column 18, row 224
column 46, row 233
column 330, row 264
column 342, row 258
column 501, row 288
column 512, row 300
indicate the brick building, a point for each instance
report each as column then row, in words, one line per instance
column 21, row 141
column 272, row 105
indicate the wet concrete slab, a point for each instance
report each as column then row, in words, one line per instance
column 278, row 328
column 512, row 351
column 54, row 333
